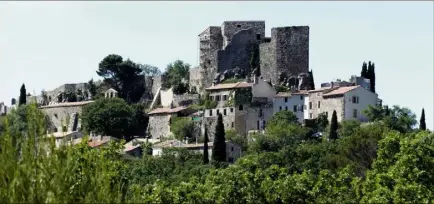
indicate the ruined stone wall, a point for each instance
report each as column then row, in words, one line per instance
column 230, row 28
column 58, row 115
column 210, row 42
column 52, row 95
column 159, row 126
column 185, row 99
column 238, row 51
column 195, row 79
column 287, row 52
column 156, row 84
column 292, row 49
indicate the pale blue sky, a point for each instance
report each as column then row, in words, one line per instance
column 46, row 44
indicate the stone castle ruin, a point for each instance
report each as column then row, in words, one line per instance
column 238, row 48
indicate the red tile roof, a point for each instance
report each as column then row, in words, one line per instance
column 230, row 86
column 341, row 90
column 167, row 110
column 320, row 89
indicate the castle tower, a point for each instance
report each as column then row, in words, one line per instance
column 287, row 52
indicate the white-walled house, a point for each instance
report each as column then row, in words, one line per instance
column 294, row 102
column 348, row 102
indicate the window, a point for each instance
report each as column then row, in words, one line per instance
column 286, row 99
column 240, row 107
column 224, row 111
column 260, row 113
column 280, row 108
column 295, row 108
column 55, row 130
column 286, row 108
column 211, row 98
column 55, row 115
column 232, row 124
column 225, row 97
column 210, row 112
column 301, row 97
column 257, row 125
column 319, row 104
column 231, row 160
column 355, row 113
column 310, row 105
column 218, row 112
column 217, row 98
column 258, row 36
column 232, row 110
column 311, row 116
column 355, row 99
column 232, row 149
column 238, row 26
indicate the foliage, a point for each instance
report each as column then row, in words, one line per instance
column 333, row 134
column 232, row 80
column 371, row 75
column 422, row 124
column 108, row 116
column 280, row 88
column 22, row 99
column 283, row 117
column 182, row 128
column 243, row 96
column 364, row 72
column 124, row 76
column 92, row 88
column 177, row 75
column 322, row 121
column 150, row 70
column 231, row 135
column 219, row 147
column 311, row 81
column 139, row 121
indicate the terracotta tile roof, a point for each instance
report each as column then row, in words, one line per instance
column 67, row 104
column 283, row 94
column 230, row 86
column 341, row 90
column 167, row 110
column 97, row 143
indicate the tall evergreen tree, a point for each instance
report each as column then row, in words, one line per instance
column 205, row 148
column 334, row 126
column 372, row 77
column 422, row 124
column 311, row 82
column 219, row 149
column 22, row 99
column 364, row 72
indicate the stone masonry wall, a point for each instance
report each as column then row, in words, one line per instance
column 267, row 60
column 238, row 51
column 195, row 79
column 229, row 28
column 159, row 126
column 58, row 116
column 185, row 99
column 326, row 105
column 292, row 49
column 210, row 42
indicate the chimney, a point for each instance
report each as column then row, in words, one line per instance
column 13, row 101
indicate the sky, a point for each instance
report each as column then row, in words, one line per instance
column 47, row 44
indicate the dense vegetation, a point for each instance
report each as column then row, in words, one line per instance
column 383, row 161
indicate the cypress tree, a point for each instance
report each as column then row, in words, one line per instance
column 22, row 99
column 422, row 124
column 364, row 72
column 372, row 77
column 205, row 148
column 219, row 149
column 311, row 82
column 334, row 127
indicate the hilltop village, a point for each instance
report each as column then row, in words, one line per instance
column 243, row 75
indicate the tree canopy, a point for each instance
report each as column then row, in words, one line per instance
column 22, row 99
column 177, row 75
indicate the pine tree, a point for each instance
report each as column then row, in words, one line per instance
column 364, row 72
column 205, row 148
column 219, row 149
column 422, row 124
column 334, row 127
column 22, row 99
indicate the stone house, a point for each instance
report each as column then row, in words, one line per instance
column 66, row 138
column 233, row 151
column 160, row 119
column 348, row 102
column 101, row 141
column 244, row 106
column 295, row 102
column 59, row 114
